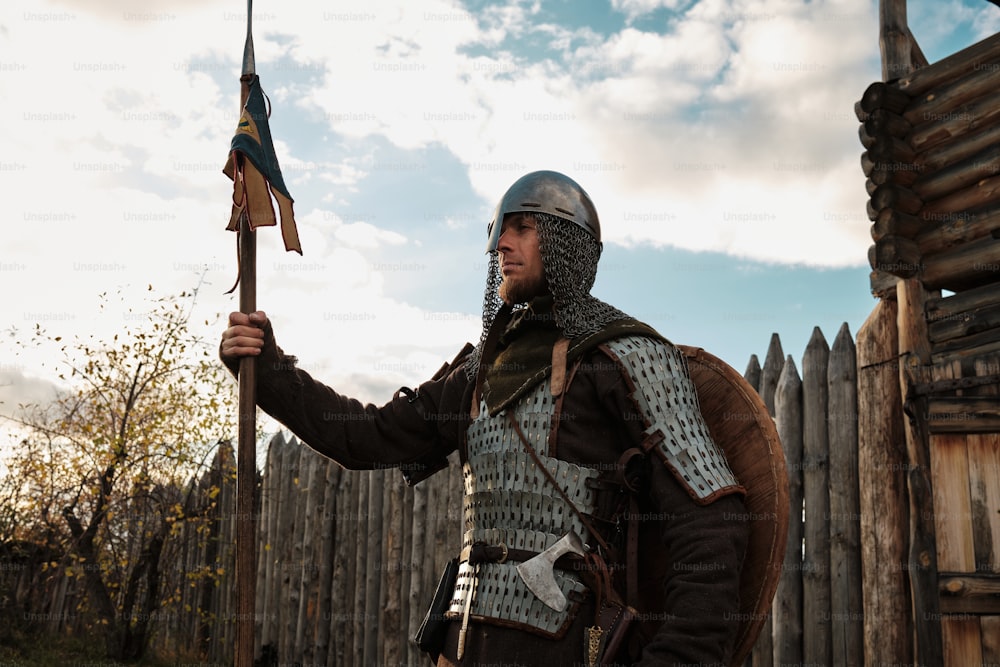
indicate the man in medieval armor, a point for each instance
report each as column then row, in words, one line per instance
column 579, row 429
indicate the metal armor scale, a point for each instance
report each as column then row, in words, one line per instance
column 675, row 426
column 509, row 502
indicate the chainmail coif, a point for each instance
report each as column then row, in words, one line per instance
column 569, row 257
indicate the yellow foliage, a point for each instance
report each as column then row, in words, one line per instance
column 140, row 417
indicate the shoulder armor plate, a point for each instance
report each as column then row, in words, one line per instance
column 662, row 390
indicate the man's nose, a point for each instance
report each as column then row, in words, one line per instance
column 503, row 243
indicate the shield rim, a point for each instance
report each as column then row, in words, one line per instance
column 747, row 434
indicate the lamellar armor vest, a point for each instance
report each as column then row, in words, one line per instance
column 508, row 501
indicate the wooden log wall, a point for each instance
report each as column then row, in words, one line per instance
column 930, row 471
column 932, row 161
column 964, row 450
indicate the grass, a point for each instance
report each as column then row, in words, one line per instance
column 44, row 651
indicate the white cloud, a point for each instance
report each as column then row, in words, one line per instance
column 986, row 21
column 732, row 99
column 636, row 8
column 112, row 180
column 935, row 22
column 732, row 130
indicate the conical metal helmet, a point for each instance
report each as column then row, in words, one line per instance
column 569, row 240
column 546, row 192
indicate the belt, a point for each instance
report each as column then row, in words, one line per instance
column 501, row 553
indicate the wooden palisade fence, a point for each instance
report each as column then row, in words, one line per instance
column 817, row 612
column 348, row 560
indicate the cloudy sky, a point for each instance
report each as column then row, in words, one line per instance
column 717, row 138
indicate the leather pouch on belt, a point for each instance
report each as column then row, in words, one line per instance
column 431, row 633
column 605, row 642
column 606, row 639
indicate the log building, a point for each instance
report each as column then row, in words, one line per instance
column 929, row 354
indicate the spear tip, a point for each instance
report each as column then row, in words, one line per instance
column 249, row 67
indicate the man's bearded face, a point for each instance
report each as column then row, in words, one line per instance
column 520, row 260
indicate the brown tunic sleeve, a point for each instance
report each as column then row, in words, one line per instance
column 703, row 544
column 414, row 431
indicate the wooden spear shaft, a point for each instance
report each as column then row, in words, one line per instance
column 246, row 455
column 246, row 466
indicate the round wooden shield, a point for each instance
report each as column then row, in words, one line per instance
column 740, row 424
